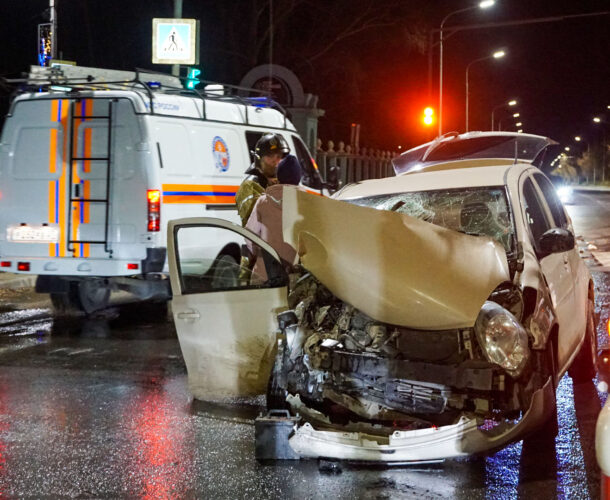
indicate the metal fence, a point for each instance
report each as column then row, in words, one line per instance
column 349, row 167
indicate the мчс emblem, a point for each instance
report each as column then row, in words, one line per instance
column 221, row 154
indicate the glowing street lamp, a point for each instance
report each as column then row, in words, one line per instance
column 518, row 124
column 516, row 115
column 482, row 5
column 498, row 54
column 597, row 119
column 512, row 102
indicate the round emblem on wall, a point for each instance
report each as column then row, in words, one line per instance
column 221, row 154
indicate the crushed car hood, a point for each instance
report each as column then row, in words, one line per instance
column 395, row 268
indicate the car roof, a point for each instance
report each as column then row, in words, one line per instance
column 450, row 175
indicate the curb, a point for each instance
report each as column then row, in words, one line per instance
column 15, row 281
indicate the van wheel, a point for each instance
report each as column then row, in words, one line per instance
column 93, row 295
column 66, row 303
column 583, row 367
column 225, row 273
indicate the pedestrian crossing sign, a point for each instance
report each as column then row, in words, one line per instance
column 175, row 41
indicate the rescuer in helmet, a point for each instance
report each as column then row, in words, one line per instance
column 268, row 152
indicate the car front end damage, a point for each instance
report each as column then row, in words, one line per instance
column 374, row 381
column 376, row 392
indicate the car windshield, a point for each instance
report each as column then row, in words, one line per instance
column 520, row 146
column 474, row 211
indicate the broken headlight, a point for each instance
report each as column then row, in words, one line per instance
column 502, row 338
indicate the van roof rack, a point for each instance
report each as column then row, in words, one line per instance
column 71, row 78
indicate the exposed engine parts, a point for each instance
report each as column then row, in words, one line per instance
column 346, row 365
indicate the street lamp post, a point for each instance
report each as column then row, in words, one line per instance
column 482, row 5
column 602, row 124
column 496, row 55
column 512, row 102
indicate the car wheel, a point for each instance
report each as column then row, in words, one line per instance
column 276, row 394
column 549, row 428
column 583, row 367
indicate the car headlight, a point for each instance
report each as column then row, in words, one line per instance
column 502, row 338
column 564, row 193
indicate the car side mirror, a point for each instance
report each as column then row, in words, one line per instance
column 332, row 179
column 556, row 240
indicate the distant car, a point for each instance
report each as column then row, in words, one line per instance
column 436, row 313
column 565, row 191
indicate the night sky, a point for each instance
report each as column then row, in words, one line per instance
column 378, row 76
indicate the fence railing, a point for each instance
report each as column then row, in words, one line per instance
column 348, row 167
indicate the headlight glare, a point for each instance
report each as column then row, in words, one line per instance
column 502, row 338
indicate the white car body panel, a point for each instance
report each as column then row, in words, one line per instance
column 228, row 337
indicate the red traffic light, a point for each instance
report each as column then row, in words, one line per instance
column 428, row 118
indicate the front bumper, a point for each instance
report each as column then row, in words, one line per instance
column 423, row 445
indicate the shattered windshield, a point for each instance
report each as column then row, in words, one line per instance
column 474, row 211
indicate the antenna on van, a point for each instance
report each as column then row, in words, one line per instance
column 516, row 150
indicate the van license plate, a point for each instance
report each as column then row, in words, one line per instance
column 33, row 234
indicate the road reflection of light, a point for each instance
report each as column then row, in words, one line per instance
column 4, row 428
column 502, row 472
column 159, row 447
column 571, row 467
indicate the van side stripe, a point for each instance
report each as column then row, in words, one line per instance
column 199, row 193
column 52, row 169
column 63, row 206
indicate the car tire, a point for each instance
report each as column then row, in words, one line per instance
column 582, row 369
column 276, row 394
column 549, row 429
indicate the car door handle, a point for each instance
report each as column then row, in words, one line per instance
column 188, row 315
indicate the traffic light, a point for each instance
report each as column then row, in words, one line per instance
column 428, row 117
column 192, row 78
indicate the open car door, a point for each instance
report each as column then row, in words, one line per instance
column 225, row 315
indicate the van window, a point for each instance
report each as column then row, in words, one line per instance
column 252, row 138
column 311, row 176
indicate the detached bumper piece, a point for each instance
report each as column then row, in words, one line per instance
column 272, row 433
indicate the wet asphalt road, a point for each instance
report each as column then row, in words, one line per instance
column 99, row 408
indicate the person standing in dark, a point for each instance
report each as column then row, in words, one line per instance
column 268, row 152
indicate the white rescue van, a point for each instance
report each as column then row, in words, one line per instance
column 91, row 172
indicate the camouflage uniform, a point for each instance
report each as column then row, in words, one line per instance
column 249, row 191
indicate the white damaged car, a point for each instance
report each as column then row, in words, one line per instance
column 433, row 315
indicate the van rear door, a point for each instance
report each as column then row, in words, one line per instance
column 63, row 162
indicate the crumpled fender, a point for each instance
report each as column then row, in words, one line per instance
column 395, row 268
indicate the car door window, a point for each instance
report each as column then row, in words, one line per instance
column 209, row 260
column 534, row 212
column 552, row 201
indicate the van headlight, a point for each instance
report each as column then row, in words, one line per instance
column 502, row 338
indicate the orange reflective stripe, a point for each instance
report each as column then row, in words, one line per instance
column 199, row 193
column 64, row 106
column 52, row 169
